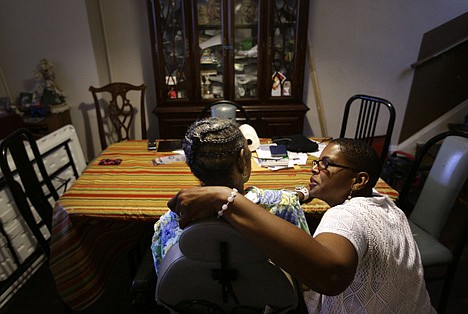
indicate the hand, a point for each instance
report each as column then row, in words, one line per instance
column 198, row 203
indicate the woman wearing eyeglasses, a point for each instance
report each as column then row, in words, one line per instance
column 361, row 259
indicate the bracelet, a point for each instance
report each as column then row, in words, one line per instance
column 230, row 199
column 304, row 191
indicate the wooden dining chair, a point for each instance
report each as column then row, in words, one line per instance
column 120, row 111
column 225, row 109
column 369, row 121
column 441, row 166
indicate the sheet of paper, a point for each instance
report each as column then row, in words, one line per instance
column 297, row 158
column 213, row 41
column 169, row 159
column 321, row 146
column 263, row 152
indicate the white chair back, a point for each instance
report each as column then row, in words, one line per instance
column 442, row 186
column 218, row 268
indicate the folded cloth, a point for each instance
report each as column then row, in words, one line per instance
column 297, row 143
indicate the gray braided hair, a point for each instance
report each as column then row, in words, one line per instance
column 211, row 147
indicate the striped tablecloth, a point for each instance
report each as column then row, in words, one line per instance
column 110, row 208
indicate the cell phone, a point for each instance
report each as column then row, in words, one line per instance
column 152, row 145
column 278, row 151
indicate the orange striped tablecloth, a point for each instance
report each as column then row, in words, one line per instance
column 110, row 208
column 138, row 190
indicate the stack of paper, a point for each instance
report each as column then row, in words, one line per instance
column 281, row 162
column 265, row 159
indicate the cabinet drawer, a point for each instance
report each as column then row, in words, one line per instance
column 278, row 126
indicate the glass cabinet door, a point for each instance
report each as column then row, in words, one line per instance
column 245, row 45
column 228, row 40
column 174, row 46
column 211, row 42
column 283, row 47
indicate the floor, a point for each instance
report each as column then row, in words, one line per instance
column 458, row 302
column 40, row 295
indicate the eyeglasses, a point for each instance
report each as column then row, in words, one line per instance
column 323, row 164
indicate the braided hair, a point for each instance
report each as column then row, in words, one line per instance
column 211, row 147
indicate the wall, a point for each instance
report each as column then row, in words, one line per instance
column 456, row 115
column 71, row 35
column 367, row 47
column 357, row 47
column 440, row 81
column 120, row 35
column 57, row 31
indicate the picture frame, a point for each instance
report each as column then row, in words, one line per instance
column 4, row 105
column 24, row 101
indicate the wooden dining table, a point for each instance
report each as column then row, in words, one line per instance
column 113, row 206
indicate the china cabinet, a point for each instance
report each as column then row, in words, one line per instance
column 251, row 52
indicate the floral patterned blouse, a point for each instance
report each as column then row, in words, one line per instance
column 282, row 203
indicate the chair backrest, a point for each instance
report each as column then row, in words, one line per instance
column 444, row 181
column 23, row 248
column 225, row 109
column 368, row 121
column 213, row 267
column 21, row 162
column 120, row 111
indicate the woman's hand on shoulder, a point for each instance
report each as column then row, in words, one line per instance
column 198, row 203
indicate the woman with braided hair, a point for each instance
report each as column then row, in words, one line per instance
column 217, row 153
